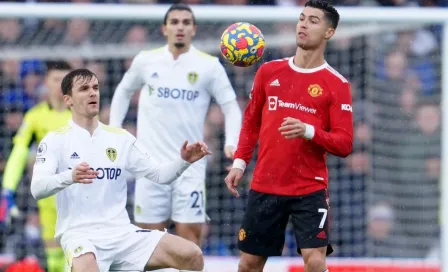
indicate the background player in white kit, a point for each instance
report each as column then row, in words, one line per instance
column 84, row 164
column 178, row 83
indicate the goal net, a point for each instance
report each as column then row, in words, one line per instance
column 384, row 197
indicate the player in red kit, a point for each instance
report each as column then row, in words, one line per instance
column 299, row 110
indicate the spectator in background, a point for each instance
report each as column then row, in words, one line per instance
column 419, row 169
column 50, row 32
column 391, row 79
column 136, row 35
column 77, row 32
column 10, row 74
column 408, row 100
column 76, row 63
column 10, row 32
column 13, row 120
column 26, row 94
column 382, row 230
column 419, row 47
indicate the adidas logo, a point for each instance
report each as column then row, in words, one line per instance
column 275, row 83
column 322, row 235
column 74, row 156
column 155, row 75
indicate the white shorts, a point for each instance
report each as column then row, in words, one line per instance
column 183, row 201
column 120, row 250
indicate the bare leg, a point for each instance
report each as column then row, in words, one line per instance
column 191, row 232
column 176, row 252
column 314, row 259
column 251, row 263
column 85, row 263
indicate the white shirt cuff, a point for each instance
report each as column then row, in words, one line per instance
column 309, row 132
column 240, row 164
column 67, row 178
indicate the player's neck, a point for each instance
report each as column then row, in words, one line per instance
column 56, row 104
column 309, row 59
column 176, row 52
column 89, row 124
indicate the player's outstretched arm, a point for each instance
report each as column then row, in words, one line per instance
column 142, row 165
column 249, row 134
column 339, row 140
column 129, row 84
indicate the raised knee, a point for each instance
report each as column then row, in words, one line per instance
column 195, row 258
column 315, row 262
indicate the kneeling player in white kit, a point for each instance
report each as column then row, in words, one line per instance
column 84, row 165
column 178, row 83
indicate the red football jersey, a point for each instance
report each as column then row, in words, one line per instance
column 319, row 97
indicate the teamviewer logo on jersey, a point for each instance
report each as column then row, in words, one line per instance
column 346, row 107
column 272, row 100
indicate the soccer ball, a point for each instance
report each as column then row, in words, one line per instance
column 242, row 44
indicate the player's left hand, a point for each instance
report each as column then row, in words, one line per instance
column 229, row 151
column 194, row 152
column 292, row 128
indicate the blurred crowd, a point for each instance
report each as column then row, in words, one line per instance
column 384, row 196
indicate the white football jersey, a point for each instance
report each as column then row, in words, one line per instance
column 101, row 204
column 174, row 100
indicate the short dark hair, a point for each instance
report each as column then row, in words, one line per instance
column 179, row 6
column 67, row 82
column 57, row 65
column 331, row 14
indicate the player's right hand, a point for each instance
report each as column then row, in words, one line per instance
column 233, row 180
column 83, row 174
column 8, row 207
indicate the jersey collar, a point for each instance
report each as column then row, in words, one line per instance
column 303, row 70
column 189, row 52
column 83, row 131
